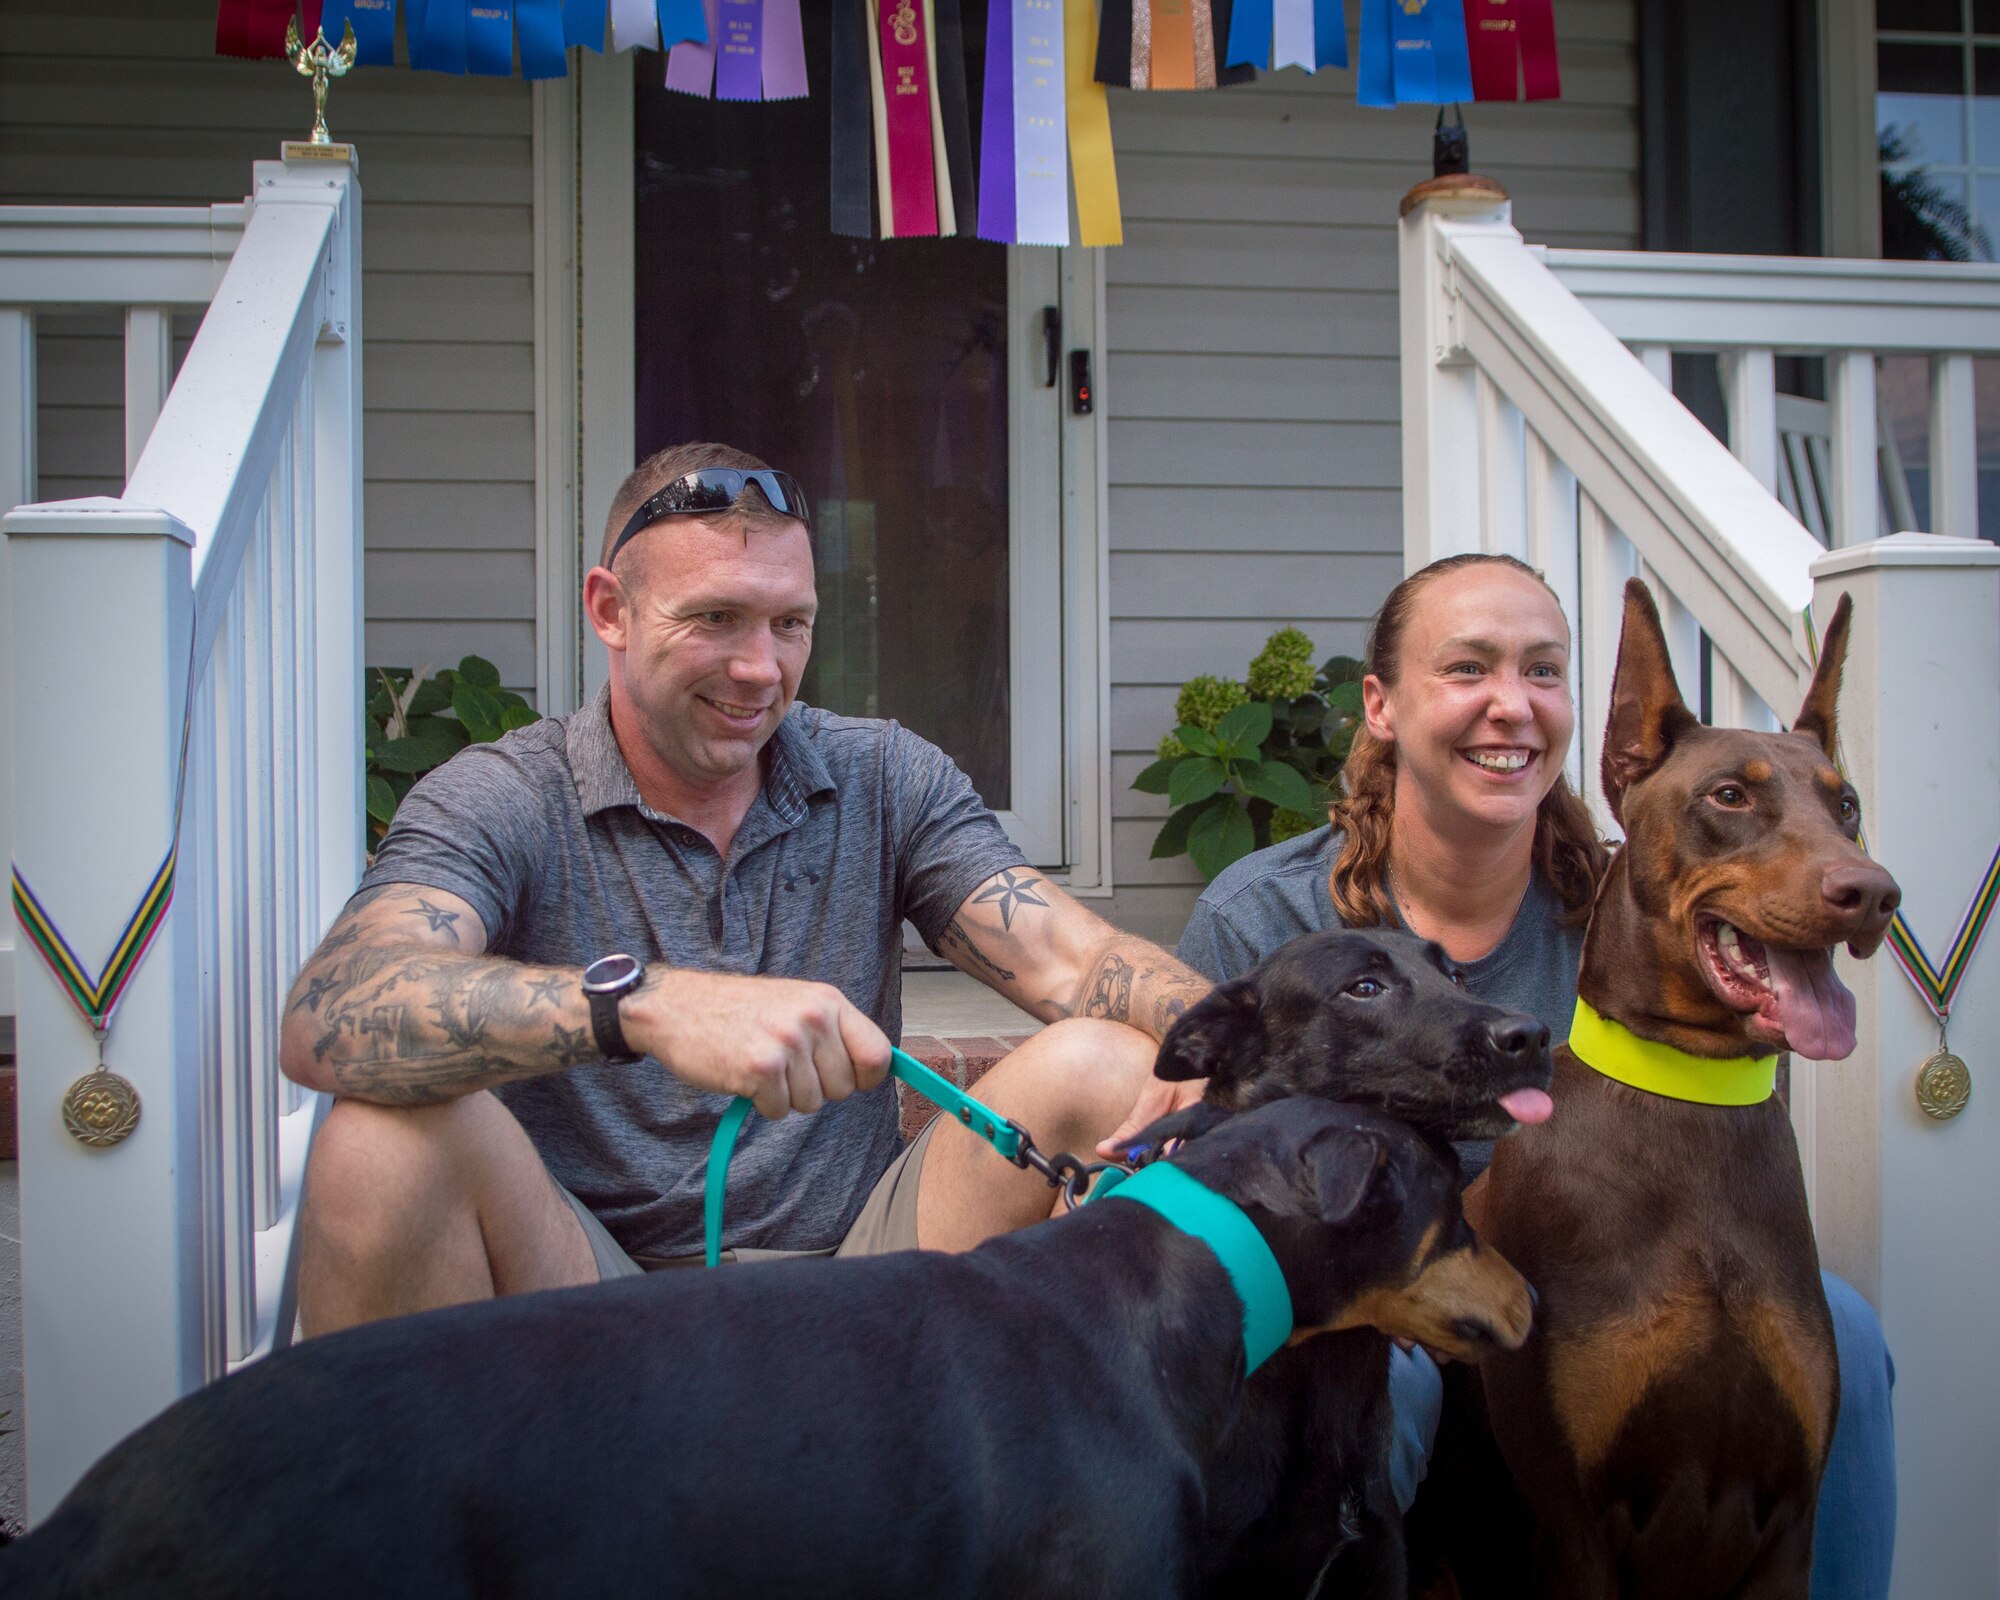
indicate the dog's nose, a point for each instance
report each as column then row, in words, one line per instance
column 1863, row 891
column 1515, row 1037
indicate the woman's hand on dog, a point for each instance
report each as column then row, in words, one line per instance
column 785, row 1044
column 1157, row 1099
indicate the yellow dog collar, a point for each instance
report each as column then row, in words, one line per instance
column 1617, row 1052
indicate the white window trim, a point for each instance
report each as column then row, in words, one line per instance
column 585, row 377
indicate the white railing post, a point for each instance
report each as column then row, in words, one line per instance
column 1856, row 448
column 1954, row 448
column 149, row 372
column 1905, row 1203
column 17, row 487
column 110, row 1239
column 1441, row 477
column 1750, row 378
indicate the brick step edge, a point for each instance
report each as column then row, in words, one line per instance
column 963, row 1058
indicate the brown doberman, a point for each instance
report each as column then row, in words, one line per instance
column 1669, row 1419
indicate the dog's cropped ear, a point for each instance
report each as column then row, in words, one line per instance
column 1220, row 1037
column 1343, row 1163
column 1647, row 712
column 1816, row 716
column 1190, row 1122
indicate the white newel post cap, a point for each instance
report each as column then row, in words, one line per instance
column 1908, row 550
column 1458, row 194
column 95, row 514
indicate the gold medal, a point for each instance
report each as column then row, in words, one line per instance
column 100, row 1108
column 1943, row 1084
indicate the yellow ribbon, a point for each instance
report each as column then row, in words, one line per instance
column 1617, row 1052
column 1097, row 214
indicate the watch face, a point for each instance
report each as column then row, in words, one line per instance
column 611, row 972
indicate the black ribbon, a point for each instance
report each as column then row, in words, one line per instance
column 956, row 106
column 1223, row 11
column 850, row 138
column 1114, row 43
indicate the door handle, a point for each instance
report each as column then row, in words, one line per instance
column 1052, row 343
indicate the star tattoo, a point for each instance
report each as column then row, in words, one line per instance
column 550, row 989
column 1010, row 893
column 317, row 992
column 440, row 919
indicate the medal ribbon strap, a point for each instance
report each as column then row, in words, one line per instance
column 97, row 997
column 1935, row 982
column 906, row 101
column 1099, row 221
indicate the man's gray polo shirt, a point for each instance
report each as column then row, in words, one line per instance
column 860, row 823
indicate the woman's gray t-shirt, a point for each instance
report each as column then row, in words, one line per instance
column 1274, row 896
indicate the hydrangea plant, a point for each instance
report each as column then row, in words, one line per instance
column 1254, row 762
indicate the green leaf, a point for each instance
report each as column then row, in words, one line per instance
column 371, row 733
column 381, row 799
column 509, row 699
column 479, row 672
column 517, row 717
column 1154, row 779
column 1220, row 835
column 478, row 709
column 432, row 695
column 1244, row 728
column 1172, row 838
column 1194, row 779
column 413, row 755
column 1346, row 697
column 1338, row 669
column 448, row 731
column 1199, row 740
column 1282, row 785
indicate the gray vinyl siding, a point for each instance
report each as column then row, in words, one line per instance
column 1251, row 375
column 124, row 102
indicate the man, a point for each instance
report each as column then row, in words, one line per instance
column 732, row 874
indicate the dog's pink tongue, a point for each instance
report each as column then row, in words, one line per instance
column 1527, row 1105
column 1814, row 1008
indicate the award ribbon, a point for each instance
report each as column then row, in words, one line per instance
column 255, row 29
column 784, row 51
column 1250, row 28
column 374, row 24
column 1413, row 52
column 906, row 119
column 996, row 128
column 583, row 23
column 489, row 38
column 691, row 62
column 850, row 198
column 538, row 24
column 1124, row 43
column 1041, row 190
column 442, row 30
column 947, row 208
column 686, row 19
column 1329, row 34
column 1502, row 33
column 635, row 25
column 1089, row 110
column 1292, row 34
column 1173, row 45
column 739, row 51
column 954, row 104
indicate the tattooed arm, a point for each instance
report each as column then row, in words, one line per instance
column 1020, row 934
column 401, row 1005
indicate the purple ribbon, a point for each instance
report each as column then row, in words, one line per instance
column 691, row 66
column 784, row 51
column 996, row 128
column 739, row 46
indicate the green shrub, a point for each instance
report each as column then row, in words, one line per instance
column 420, row 720
column 1254, row 763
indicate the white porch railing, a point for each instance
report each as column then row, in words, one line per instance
column 144, row 261
column 223, row 586
column 1530, row 428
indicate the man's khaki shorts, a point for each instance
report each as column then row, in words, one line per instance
column 888, row 1221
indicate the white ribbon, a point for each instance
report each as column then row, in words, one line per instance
column 1292, row 34
column 635, row 25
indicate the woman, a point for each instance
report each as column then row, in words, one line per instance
column 1457, row 823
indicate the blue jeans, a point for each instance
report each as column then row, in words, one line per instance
column 1854, row 1537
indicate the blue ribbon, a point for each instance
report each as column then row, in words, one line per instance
column 538, row 24
column 1329, row 34
column 489, row 37
column 374, row 24
column 583, row 23
column 1413, row 52
column 1250, row 34
column 437, row 34
column 682, row 20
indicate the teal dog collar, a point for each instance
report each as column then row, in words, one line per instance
column 1220, row 1224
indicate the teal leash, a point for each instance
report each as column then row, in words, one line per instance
column 1186, row 1202
column 1064, row 1171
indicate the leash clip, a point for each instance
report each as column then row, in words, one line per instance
column 1071, row 1174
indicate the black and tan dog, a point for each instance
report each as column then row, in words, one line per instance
column 1039, row 1417
column 1299, row 1493
column 1669, row 1421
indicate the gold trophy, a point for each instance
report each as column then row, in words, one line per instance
column 319, row 61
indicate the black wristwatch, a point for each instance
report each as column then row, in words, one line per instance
column 606, row 981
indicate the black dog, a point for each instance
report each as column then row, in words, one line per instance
column 1375, row 1019
column 1035, row 1418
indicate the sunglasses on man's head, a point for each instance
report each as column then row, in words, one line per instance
column 712, row 489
